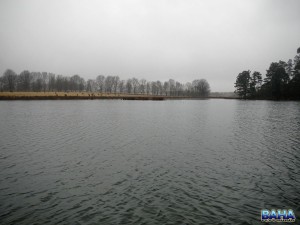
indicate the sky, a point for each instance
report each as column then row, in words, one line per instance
column 152, row 39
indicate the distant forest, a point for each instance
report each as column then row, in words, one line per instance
column 282, row 81
column 44, row 82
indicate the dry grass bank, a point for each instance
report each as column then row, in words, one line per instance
column 73, row 95
column 61, row 94
column 89, row 95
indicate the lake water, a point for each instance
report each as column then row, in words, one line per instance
column 147, row 162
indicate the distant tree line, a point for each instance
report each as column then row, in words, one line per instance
column 282, row 81
column 43, row 82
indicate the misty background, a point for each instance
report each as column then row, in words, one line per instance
column 155, row 40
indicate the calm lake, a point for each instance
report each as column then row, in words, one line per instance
column 147, row 162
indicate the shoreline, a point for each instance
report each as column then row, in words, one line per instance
column 92, row 96
column 11, row 96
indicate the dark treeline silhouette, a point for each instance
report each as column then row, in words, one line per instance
column 44, row 82
column 282, row 81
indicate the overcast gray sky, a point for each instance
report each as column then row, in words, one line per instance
column 152, row 39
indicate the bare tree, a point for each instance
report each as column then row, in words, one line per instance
column 100, row 83
column 76, row 83
column 177, row 88
column 143, row 84
column 44, row 81
column 159, row 88
column 153, row 88
column 129, row 86
column 188, row 89
column 135, row 85
column 24, row 80
column 52, row 82
column 172, row 87
column 116, row 80
column 166, row 88
column 204, row 88
column 36, row 81
column 109, row 82
column 9, row 80
column 201, row 88
column 148, row 88
column 59, row 83
column 121, row 86
column 91, row 85
column 1, row 84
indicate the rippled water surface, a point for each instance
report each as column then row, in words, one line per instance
column 147, row 162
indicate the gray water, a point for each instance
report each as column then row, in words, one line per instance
column 147, row 162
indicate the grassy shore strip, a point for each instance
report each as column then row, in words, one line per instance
column 85, row 95
column 71, row 96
